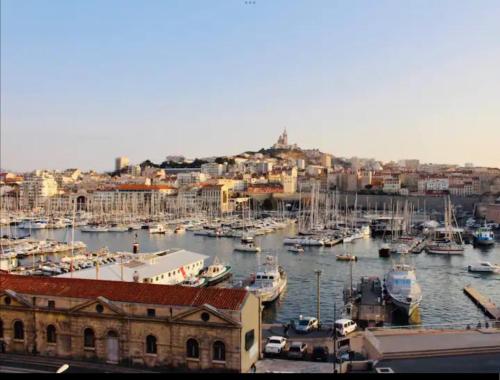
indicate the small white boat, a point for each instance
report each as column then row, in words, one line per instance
column 157, row 229
column 180, row 230
column 195, row 282
column 247, row 247
column 484, row 267
column 347, row 257
column 117, row 228
column 94, row 229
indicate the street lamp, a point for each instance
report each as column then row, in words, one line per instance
column 318, row 273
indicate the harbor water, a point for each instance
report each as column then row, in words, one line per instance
column 442, row 278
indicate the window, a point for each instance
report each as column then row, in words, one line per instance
column 18, row 330
column 249, row 339
column 99, row 308
column 219, row 351
column 151, row 312
column 88, row 338
column 7, row 300
column 205, row 317
column 51, row 334
column 1, row 328
column 52, row 304
column 151, row 344
column 193, row 350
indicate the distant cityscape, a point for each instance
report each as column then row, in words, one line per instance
column 221, row 183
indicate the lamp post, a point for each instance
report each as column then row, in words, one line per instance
column 318, row 274
column 334, row 338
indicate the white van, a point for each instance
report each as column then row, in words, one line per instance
column 345, row 326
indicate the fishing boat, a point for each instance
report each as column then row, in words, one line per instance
column 484, row 236
column 217, row 272
column 297, row 248
column 484, row 267
column 269, row 282
column 402, row 288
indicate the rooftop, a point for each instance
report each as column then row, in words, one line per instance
column 147, row 265
column 220, row 298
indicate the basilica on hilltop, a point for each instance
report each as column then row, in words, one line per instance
column 282, row 142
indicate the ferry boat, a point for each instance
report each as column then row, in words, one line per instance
column 484, row 267
column 217, row 272
column 402, row 288
column 269, row 282
column 484, row 236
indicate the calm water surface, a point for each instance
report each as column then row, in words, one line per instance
column 442, row 278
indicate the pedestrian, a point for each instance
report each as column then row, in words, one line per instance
column 287, row 326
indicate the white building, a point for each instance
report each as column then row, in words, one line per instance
column 213, row 169
column 190, row 178
column 392, row 185
column 37, row 187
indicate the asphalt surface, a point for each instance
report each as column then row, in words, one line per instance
column 11, row 363
column 483, row 363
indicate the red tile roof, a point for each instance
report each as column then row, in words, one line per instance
column 220, row 298
column 141, row 187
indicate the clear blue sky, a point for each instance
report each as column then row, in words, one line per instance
column 85, row 81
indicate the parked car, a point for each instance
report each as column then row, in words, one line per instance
column 320, row 353
column 345, row 326
column 275, row 345
column 305, row 325
column 297, row 350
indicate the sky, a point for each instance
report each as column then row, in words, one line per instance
column 85, row 81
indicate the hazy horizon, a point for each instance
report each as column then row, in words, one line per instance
column 84, row 82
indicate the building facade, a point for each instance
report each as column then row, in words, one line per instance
column 130, row 323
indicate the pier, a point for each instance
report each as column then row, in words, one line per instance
column 485, row 304
column 368, row 307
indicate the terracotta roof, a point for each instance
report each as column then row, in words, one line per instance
column 220, row 298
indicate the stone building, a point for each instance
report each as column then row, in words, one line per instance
column 130, row 323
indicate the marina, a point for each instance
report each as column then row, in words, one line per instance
column 442, row 278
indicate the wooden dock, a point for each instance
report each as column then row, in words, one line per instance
column 485, row 304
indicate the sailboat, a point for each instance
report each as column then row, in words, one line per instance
column 449, row 245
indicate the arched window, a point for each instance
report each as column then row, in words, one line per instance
column 151, row 344
column 193, row 350
column 19, row 330
column 89, row 338
column 51, row 334
column 219, row 351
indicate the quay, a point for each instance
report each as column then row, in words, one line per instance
column 367, row 305
column 485, row 304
